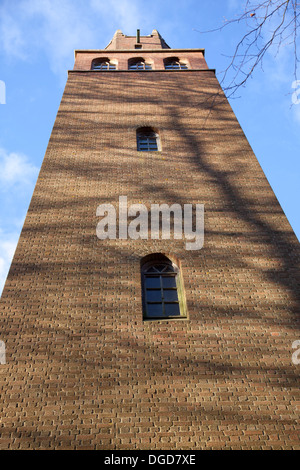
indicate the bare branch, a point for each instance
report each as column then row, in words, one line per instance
column 269, row 24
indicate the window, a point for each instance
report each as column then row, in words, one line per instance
column 103, row 64
column 175, row 64
column 147, row 140
column 162, row 289
column 139, row 64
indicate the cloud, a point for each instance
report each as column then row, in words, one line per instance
column 8, row 245
column 296, row 112
column 234, row 4
column 52, row 27
column 17, row 177
column 127, row 13
column 15, row 169
column 11, row 35
column 56, row 27
column 3, row 273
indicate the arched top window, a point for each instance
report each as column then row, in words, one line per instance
column 147, row 140
column 139, row 64
column 103, row 64
column 163, row 296
column 173, row 63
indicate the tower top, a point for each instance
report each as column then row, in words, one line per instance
column 152, row 41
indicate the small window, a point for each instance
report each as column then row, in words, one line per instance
column 175, row 64
column 103, row 64
column 139, row 64
column 162, row 289
column 147, row 140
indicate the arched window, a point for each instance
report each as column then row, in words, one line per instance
column 163, row 295
column 139, row 64
column 147, row 140
column 103, row 64
column 175, row 64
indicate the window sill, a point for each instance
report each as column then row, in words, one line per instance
column 181, row 318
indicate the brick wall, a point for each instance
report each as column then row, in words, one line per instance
column 122, row 41
column 195, row 59
column 83, row 369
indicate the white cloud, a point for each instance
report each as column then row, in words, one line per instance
column 11, row 35
column 8, row 245
column 126, row 13
column 3, row 274
column 234, row 4
column 296, row 112
column 57, row 27
column 63, row 27
column 53, row 27
column 15, row 169
column 17, row 177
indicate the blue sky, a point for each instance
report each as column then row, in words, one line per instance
column 37, row 42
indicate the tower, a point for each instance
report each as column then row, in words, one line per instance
column 123, row 343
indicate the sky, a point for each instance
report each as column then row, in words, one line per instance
column 37, row 43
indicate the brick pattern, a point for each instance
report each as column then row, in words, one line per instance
column 152, row 41
column 83, row 370
column 195, row 59
column 154, row 49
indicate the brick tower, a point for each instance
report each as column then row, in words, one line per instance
column 124, row 343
